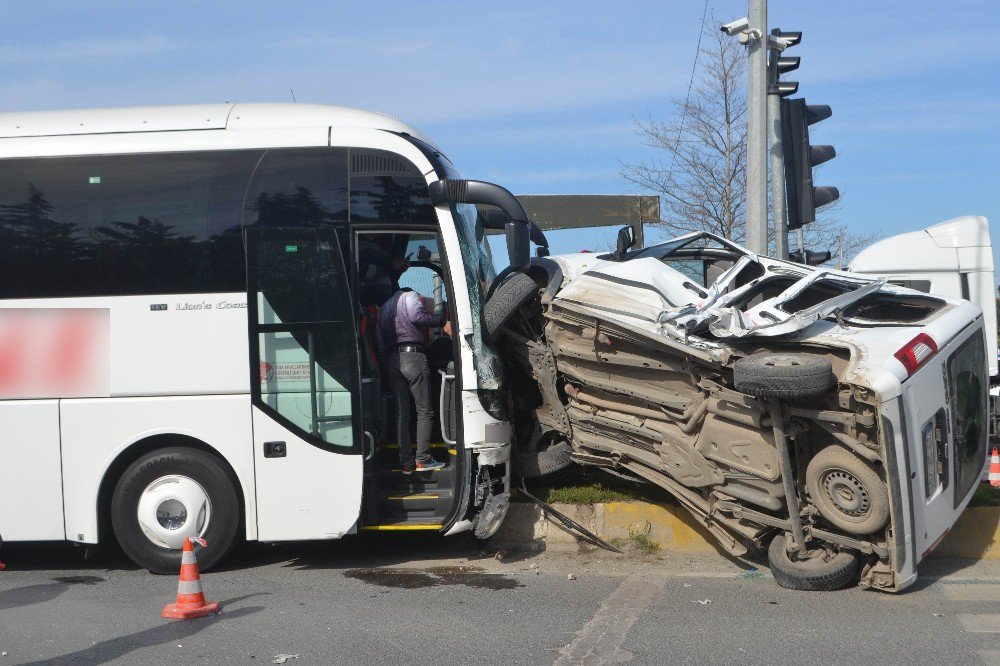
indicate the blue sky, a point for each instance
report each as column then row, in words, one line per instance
column 541, row 96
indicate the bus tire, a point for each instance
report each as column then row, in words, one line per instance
column 772, row 375
column 171, row 493
column 816, row 574
column 509, row 297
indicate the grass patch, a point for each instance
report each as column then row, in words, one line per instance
column 986, row 495
column 641, row 540
column 581, row 485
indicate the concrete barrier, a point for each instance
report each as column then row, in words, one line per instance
column 976, row 535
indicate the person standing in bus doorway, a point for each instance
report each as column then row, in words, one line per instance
column 401, row 321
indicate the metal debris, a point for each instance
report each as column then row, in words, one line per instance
column 282, row 658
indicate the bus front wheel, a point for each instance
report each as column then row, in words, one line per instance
column 167, row 495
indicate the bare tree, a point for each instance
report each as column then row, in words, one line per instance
column 700, row 173
column 700, row 167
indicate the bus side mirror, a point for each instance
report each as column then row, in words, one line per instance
column 518, row 246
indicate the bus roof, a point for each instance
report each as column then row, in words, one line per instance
column 194, row 117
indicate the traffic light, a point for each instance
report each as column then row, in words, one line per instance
column 802, row 197
column 778, row 64
column 813, row 258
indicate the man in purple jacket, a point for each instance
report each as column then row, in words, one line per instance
column 401, row 346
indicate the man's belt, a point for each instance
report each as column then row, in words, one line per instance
column 409, row 348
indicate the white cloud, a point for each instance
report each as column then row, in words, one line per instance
column 88, row 50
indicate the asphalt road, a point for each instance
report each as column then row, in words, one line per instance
column 412, row 601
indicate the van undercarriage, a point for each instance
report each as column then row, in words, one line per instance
column 771, row 442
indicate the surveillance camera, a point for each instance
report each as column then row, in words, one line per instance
column 736, row 27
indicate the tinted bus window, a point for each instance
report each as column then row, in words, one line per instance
column 387, row 188
column 299, row 187
column 123, row 224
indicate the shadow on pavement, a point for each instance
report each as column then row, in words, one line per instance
column 30, row 595
column 358, row 551
column 116, row 648
column 363, row 550
column 63, row 556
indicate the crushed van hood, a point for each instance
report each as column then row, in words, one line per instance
column 645, row 292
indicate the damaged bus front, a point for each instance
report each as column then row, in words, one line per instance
column 836, row 420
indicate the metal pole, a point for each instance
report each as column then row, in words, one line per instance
column 777, row 160
column 802, row 244
column 777, row 176
column 756, row 130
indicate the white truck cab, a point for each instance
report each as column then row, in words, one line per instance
column 954, row 259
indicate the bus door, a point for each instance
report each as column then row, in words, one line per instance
column 305, row 385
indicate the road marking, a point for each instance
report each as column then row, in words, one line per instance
column 972, row 592
column 990, row 657
column 600, row 640
column 981, row 624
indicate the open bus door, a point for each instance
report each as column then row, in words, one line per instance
column 305, row 384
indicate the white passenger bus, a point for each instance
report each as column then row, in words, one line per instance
column 185, row 347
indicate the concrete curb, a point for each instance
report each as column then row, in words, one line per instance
column 976, row 535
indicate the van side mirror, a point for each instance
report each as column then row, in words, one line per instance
column 518, row 246
column 626, row 240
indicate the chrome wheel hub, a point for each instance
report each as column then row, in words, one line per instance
column 171, row 508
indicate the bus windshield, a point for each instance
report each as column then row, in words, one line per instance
column 479, row 272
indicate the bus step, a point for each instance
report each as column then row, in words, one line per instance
column 402, row 526
column 396, row 502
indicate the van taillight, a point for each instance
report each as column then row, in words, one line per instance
column 915, row 352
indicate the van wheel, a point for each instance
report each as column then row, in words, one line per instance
column 509, row 297
column 821, row 572
column 847, row 491
column 546, row 458
column 167, row 495
column 783, row 375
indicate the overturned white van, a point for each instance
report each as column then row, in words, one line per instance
column 837, row 420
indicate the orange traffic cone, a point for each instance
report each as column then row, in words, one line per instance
column 995, row 468
column 190, row 599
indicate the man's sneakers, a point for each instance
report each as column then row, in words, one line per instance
column 428, row 466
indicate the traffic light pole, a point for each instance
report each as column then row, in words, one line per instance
column 756, row 230
column 777, row 171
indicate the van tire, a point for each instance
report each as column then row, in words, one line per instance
column 836, row 479
column 813, row 574
column 771, row 375
column 544, row 462
column 509, row 297
column 189, row 464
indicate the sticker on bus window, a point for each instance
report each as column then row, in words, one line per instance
column 95, row 180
